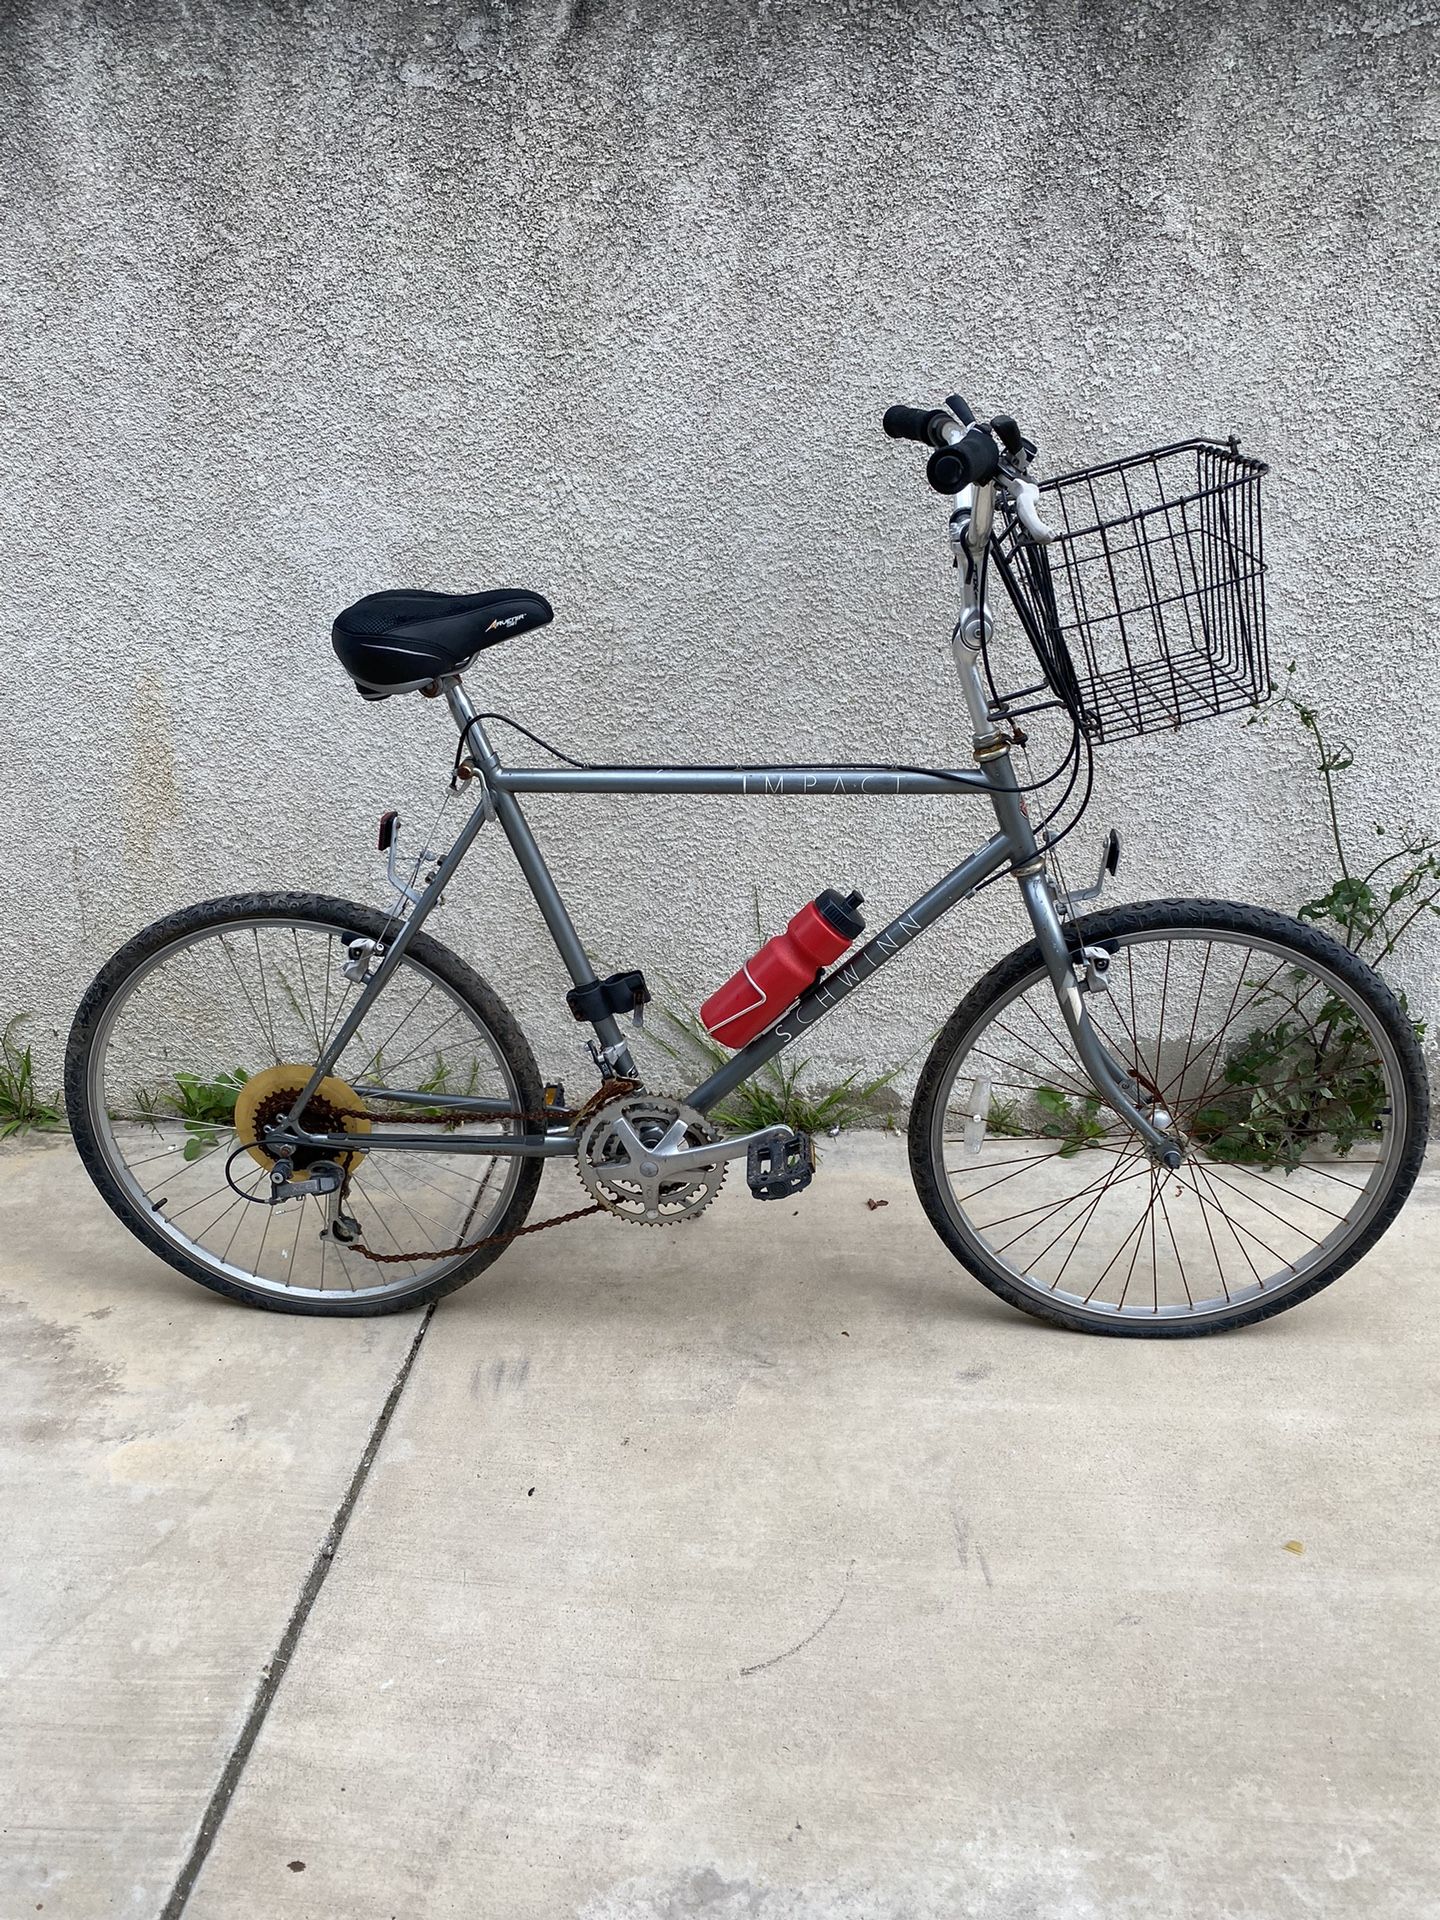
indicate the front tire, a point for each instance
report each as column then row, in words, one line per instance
column 1286, row 1063
column 192, row 1009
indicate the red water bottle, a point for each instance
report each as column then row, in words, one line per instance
column 779, row 973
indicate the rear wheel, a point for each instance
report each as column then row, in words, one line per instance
column 204, row 1027
column 1287, row 1066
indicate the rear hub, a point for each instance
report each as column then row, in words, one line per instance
column 266, row 1100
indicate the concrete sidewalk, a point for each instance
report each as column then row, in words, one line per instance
column 766, row 1567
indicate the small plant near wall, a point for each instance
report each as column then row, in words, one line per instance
column 1305, row 1074
column 441, row 1077
column 1372, row 903
column 206, row 1107
column 23, row 1109
column 1073, row 1122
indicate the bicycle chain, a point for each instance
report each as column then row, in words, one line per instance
column 467, row 1246
column 607, row 1090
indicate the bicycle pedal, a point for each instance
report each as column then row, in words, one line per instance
column 774, row 1169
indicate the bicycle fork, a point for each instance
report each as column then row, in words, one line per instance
column 1116, row 1086
column 970, row 526
column 1070, row 976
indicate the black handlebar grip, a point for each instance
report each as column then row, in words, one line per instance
column 925, row 424
column 971, row 463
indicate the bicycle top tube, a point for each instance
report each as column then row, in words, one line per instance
column 758, row 782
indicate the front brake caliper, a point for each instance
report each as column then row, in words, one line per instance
column 1092, row 970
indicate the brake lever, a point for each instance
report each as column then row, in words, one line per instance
column 1025, row 497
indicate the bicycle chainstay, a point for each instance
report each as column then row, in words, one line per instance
column 607, row 1090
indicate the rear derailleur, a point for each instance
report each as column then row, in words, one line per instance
column 321, row 1177
column 328, row 1181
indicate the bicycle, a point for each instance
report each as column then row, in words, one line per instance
column 1171, row 1118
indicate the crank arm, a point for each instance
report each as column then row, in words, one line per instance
column 733, row 1147
column 683, row 1159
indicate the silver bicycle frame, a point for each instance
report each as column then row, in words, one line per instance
column 1012, row 846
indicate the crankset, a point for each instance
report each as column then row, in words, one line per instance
column 650, row 1160
column 654, row 1161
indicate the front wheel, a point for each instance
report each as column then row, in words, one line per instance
column 1284, row 1064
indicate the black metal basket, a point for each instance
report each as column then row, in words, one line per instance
column 1148, row 612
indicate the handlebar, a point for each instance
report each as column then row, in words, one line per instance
column 966, row 455
column 963, row 456
column 931, row 426
column 970, row 462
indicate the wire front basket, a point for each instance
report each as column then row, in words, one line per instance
column 1148, row 611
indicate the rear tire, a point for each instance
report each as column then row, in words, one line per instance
column 91, row 1099
column 1257, row 1153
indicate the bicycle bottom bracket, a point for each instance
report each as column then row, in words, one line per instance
column 777, row 1168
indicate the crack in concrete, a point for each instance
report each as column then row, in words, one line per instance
column 274, row 1672
column 799, row 1646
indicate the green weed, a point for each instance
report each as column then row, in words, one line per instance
column 1075, row 1123
column 778, row 1094
column 1371, row 904
column 206, row 1107
column 23, row 1109
column 1299, row 1077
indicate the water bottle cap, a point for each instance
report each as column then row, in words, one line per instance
column 839, row 912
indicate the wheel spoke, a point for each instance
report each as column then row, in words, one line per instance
column 265, row 991
column 1087, row 1218
column 1285, row 1064
column 305, row 989
column 259, row 1019
column 233, row 1000
column 1044, row 1206
column 377, row 1057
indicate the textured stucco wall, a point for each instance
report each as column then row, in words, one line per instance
column 304, row 300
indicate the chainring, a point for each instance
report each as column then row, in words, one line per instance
column 620, row 1159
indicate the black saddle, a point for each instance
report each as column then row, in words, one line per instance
column 399, row 641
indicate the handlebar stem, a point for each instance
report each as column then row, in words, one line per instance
column 971, row 521
column 982, row 518
column 964, row 449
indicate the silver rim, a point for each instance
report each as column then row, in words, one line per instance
column 240, row 996
column 1285, row 1085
